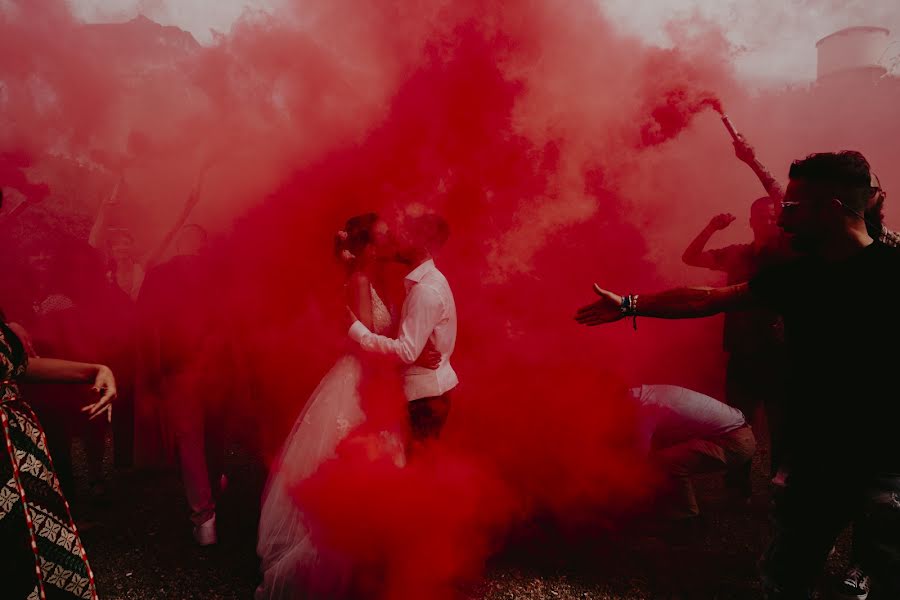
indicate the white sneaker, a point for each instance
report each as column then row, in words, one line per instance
column 780, row 479
column 855, row 585
column 205, row 533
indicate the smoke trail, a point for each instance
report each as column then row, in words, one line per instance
column 672, row 116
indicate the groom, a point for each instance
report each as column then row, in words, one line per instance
column 428, row 319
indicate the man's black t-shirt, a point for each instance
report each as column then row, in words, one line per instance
column 841, row 324
column 749, row 332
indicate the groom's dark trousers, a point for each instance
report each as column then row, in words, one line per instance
column 427, row 417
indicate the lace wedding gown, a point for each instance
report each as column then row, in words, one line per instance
column 293, row 567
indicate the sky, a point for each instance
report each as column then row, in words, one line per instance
column 773, row 41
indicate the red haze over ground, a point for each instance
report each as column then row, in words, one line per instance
column 560, row 151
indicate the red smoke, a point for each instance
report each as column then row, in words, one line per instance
column 672, row 116
column 560, row 151
column 539, row 423
column 13, row 174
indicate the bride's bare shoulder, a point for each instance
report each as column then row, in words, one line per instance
column 358, row 289
column 358, row 279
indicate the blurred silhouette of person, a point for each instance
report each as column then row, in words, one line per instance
column 753, row 339
column 182, row 345
column 127, row 268
column 42, row 553
column 68, row 319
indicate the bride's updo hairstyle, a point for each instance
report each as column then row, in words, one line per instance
column 351, row 241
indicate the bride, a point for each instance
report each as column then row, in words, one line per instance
column 292, row 566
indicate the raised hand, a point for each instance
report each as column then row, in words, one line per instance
column 349, row 318
column 105, row 385
column 720, row 222
column 744, row 151
column 430, row 358
column 605, row 310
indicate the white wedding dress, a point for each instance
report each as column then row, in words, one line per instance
column 293, row 567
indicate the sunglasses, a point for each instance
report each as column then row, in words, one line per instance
column 794, row 203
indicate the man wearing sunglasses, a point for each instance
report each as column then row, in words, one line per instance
column 749, row 383
column 842, row 449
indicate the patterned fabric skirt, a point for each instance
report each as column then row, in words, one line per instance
column 41, row 556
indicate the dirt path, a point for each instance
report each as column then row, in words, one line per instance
column 141, row 548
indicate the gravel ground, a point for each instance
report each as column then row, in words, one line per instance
column 139, row 542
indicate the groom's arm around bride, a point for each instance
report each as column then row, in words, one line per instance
column 428, row 315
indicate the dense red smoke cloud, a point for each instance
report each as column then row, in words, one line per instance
column 13, row 167
column 539, row 423
column 673, row 116
column 561, row 153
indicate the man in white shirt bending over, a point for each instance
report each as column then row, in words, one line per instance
column 687, row 433
column 428, row 318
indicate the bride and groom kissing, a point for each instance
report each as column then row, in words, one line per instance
column 420, row 341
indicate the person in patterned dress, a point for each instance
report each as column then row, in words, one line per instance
column 41, row 555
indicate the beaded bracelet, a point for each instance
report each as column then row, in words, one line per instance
column 630, row 308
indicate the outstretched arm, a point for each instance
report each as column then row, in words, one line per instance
column 421, row 314
column 747, row 154
column 695, row 255
column 679, row 303
column 52, row 370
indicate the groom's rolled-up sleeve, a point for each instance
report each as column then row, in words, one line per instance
column 421, row 314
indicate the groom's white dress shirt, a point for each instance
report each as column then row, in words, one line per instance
column 429, row 313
